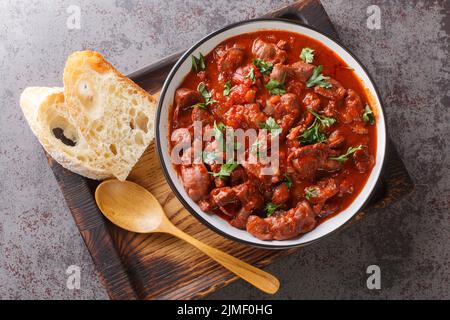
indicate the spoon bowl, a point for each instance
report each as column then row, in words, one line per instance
column 118, row 202
column 134, row 208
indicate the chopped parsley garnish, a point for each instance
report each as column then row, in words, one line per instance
column 234, row 145
column 263, row 66
column 271, row 125
column 288, row 180
column 207, row 96
column 204, row 92
column 310, row 192
column 218, row 133
column 324, row 121
column 209, row 157
column 198, row 64
column 344, row 157
column 225, row 170
column 368, row 116
column 227, row 88
column 307, row 55
column 254, row 148
column 313, row 134
column 275, row 87
column 218, row 128
column 251, row 75
column 199, row 105
column 270, row 208
column 318, row 79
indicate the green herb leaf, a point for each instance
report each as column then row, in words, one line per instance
column 204, row 92
column 218, row 134
column 307, row 55
column 263, row 66
column 310, row 192
column 270, row 208
column 344, row 157
column 198, row 64
column 227, row 88
column 218, row 128
column 236, row 145
column 254, row 148
column 271, row 125
column 251, row 75
column 318, row 79
column 312, row 134
column 324, row 121
column 275, row 87
column 368, row 116
column 201, row 105
column 225, row 170
column 209, row 157
column 206, row 95
column 288, row 180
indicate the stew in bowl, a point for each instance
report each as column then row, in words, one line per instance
column 272, row 131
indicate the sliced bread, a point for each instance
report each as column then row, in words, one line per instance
column 47, row 115
column 113, row 114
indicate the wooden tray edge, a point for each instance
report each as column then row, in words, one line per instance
column 74, row 184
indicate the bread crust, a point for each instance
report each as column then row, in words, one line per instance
column 112, row 127
column 33, row 101
column 88, row 79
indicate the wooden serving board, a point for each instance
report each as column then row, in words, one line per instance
column 135, row 266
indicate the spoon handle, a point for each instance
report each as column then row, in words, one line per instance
column 257, row 277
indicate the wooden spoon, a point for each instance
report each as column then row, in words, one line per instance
column 134, row 208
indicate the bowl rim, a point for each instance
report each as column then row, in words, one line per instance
column 158, row 141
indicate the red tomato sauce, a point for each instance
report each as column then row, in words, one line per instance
column 244, row 197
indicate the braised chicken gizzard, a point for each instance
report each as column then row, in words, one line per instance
column 302, row 93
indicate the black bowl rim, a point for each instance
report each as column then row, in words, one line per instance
column 160, row 152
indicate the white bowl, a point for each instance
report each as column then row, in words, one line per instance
column 182, row 68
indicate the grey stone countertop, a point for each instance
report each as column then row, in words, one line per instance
column 408, row 57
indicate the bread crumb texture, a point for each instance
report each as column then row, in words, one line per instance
column 99, row 125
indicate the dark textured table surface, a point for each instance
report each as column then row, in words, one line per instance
column 408, row 58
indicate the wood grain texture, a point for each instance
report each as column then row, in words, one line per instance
column 158, row 266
